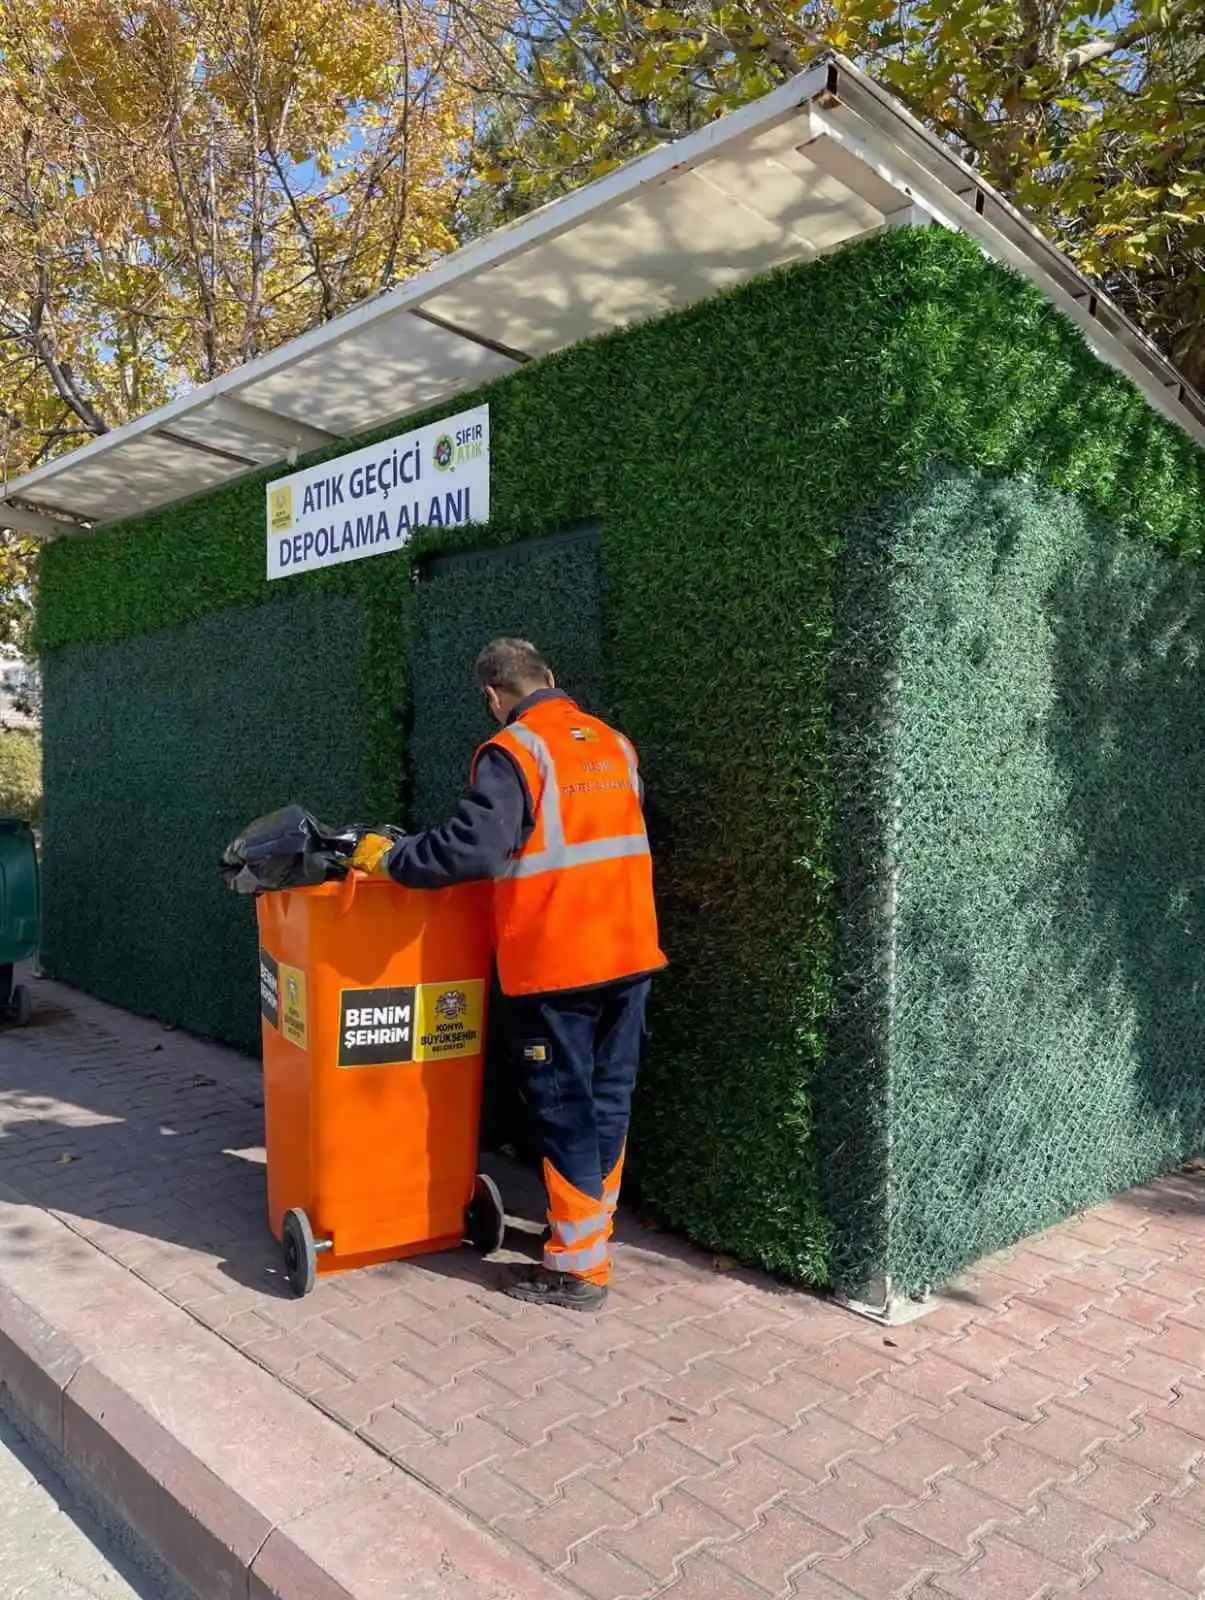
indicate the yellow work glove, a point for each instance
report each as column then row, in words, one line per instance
column 371, row 854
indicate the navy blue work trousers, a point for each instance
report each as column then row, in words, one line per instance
column 578, row 1055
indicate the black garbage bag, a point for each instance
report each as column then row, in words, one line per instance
column 290, row 849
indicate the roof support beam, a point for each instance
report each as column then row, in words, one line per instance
column 910, row 216
column 270, row 425
column 34, row 522
column 831, row 147
column 187, row 443
column 517, row 356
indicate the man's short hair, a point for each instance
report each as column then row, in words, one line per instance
column 512, row 666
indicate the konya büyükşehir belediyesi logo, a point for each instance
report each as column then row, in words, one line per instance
column 451, row 1004
column 281, row 503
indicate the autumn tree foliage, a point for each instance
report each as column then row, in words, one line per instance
column 186, row 183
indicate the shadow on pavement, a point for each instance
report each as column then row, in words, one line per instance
column 130, row 1133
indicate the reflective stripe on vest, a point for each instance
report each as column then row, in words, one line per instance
column 556, row 854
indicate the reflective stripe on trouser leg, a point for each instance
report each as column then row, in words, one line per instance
column 611, row 1187
column 577, row 1243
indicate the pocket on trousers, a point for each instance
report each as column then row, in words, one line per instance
column 538, row 1074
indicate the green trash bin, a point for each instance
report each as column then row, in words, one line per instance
column 19, row 914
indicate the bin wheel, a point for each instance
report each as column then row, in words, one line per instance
column 485, row 1219
column 20, row 1006
column 301, row 1257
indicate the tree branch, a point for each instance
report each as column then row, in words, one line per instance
column 1101, row 49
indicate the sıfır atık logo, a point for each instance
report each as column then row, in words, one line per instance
column 444, row 453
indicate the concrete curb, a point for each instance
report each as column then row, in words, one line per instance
column 240, row 1487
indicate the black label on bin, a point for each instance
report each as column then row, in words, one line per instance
column 376, row 1027
column 269, row 989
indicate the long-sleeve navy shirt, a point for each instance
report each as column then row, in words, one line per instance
column 492, row 823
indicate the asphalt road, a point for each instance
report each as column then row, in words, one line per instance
column 50, row 1548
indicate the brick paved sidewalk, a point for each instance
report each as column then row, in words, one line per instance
column 711, row 1436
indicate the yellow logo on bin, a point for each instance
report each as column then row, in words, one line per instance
column 280, row 507
column 291, row 989
column 449, row 1020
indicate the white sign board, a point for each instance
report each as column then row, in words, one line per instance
column 372, row 501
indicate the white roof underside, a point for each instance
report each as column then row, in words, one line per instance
column 826, row 159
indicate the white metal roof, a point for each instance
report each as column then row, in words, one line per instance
column 823, row 160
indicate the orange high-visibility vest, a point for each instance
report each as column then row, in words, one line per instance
column 574, row 907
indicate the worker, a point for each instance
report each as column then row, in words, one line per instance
column 553, row 815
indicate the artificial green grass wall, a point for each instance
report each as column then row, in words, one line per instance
column 1039, row 777
column 547, row 588
column 723, row 454
column 159, row 748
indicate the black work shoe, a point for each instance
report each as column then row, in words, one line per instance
column 539, row 1287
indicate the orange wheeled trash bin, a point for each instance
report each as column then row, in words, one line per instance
column 373, row 1001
